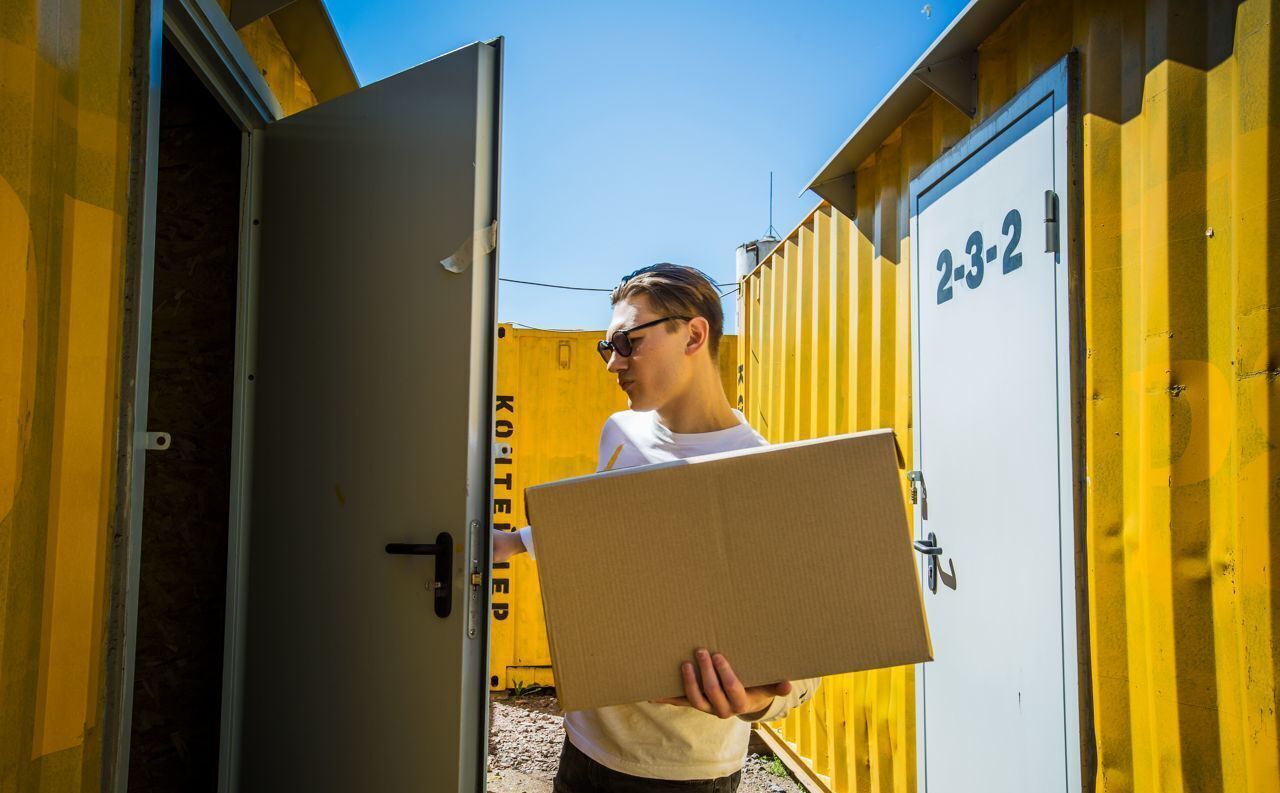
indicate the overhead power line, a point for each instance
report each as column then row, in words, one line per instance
column 551, row 330
column 555, row 286
column 582, row 289
column 575, row 288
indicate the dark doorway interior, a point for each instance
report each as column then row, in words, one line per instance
column 177, row 699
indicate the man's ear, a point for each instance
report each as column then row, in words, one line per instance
column 699, row 332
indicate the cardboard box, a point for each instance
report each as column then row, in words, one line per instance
column 793, row 560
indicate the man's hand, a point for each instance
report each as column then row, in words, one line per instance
column 711, row 686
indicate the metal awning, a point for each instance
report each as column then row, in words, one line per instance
column 949, row 68
column 308, row 33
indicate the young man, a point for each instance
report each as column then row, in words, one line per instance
column 662, row 346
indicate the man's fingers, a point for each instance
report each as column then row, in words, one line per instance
column 693, row 691
column 739, row 701
column 711, row 685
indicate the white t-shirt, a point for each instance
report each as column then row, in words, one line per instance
column 667, row 741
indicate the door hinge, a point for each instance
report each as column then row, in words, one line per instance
column 1051, row 222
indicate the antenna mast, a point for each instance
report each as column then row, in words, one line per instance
column 772, row 232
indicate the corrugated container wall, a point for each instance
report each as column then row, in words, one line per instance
column 553, row 395
column 64, row 171
column 65, row 129
column 1181, row 291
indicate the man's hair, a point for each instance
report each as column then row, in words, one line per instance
column 675, row 290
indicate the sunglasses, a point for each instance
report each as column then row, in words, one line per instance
column 620, row 340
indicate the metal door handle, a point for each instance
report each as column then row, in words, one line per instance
column 927, row 547
column 442, row 550
column 931, row 550
column 415, row 549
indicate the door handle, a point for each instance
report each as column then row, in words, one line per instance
column 931, row 550
column 926, row 547
column 442, row 550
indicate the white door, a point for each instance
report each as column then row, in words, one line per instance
column 998, row 708
column 371, row 409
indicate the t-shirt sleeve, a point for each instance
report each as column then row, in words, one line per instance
column 801, row 692
column 526, row 537
column 611, row 440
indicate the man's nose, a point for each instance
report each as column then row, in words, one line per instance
column 617, row 363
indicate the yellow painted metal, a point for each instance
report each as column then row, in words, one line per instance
column 1178, row 216
column 312, row 42
column 284, row 78
column 816, row 361
column 302, row 68
column 65, row 145
column 64, row 169
column 553, row 395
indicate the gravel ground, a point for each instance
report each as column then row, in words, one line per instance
column 525, row 736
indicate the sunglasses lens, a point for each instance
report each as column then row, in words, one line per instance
column 621, row 343
column 604, row 349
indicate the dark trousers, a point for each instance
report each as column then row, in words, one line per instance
column 580, row 774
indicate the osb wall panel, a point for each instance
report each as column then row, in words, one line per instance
column 182, row 585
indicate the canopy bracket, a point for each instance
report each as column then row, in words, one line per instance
column 840, row 192
column 955, row 80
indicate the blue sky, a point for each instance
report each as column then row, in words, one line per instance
column 642, row 132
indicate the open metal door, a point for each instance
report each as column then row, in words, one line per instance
column 999, row 707
column 371, row 394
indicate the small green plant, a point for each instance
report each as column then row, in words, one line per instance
column 519, row 689
column 776, row 767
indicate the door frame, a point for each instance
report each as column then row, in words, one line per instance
column 202, row 35
column 1061, row 82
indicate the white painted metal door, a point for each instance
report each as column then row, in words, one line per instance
column 372, row 406
column 998, row 708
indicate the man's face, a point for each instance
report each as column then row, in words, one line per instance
column 658, row 366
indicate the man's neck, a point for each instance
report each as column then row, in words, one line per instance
column 703, row 408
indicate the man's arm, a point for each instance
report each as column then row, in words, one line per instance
column 506, row 544
column 801, row 692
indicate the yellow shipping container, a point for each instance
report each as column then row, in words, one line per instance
column 553, row 395
column 64, row 168
column 1177, row 218
column 1178, row 134
column 72, row 79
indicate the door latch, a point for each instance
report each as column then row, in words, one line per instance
column 916, row 478
column 931, row 550
column 476, row 599
column 442, row 584
column 157, row 441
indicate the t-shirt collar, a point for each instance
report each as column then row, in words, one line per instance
column 686, row 439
